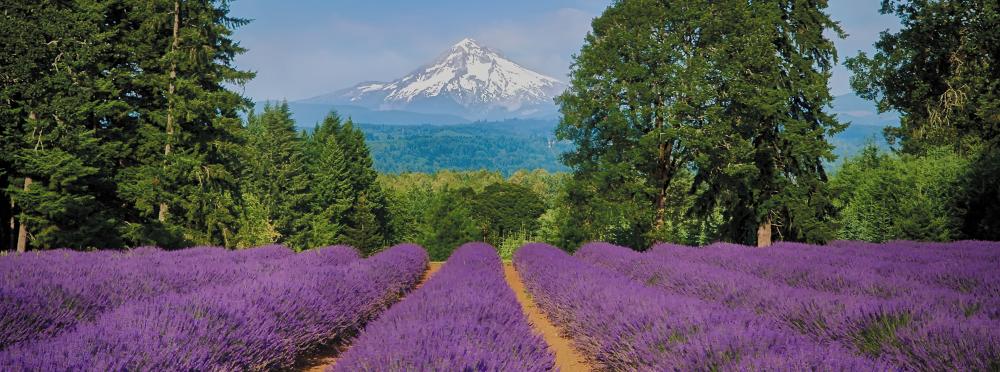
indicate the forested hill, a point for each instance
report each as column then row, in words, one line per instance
column 511, row 145
column 505, row 146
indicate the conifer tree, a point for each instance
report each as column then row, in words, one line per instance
column 55, row 165
column 181, row 178
column 363, row 230
column 274, row 167
column 362, row 175
column 330, row 194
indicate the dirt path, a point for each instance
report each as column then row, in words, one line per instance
column 327, row 358
column 567, row 358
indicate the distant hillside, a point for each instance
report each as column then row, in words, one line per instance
column 505, row 146
column 308, row 114
column 403, row 141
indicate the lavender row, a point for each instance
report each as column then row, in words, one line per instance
column 622, row 325
column 912, row 335
column 800, row 266
column 40, row 302
column 965, row 266
column 260, row 323
column 926, row 252
column 465, row 317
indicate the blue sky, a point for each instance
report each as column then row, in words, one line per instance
column 305, row 48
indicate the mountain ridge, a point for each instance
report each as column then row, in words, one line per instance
column 469, row 80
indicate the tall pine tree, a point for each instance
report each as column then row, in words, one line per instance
column 55, row 164
column 330, row 192
column 181, row 181
column 363, row 177
column 274, row 169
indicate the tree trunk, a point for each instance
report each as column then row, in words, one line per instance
column 764, row 233
column 22, row 230
column 164, row 208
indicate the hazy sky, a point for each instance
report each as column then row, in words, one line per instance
column 305, row 48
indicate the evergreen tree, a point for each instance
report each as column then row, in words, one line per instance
column 330, row 195
column 180, row 176
column 636, row 103
column 274, row 168
column 363, row 230
column 55, row 164
column 362, row 175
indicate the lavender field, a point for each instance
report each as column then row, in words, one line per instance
column 846, row 306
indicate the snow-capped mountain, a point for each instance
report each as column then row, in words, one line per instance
column 470, row 81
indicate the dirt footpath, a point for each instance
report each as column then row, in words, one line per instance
column 567, row 358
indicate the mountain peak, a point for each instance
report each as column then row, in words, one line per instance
column 470, row 80
column 466, row 44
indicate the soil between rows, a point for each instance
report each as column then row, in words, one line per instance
column 567, row 357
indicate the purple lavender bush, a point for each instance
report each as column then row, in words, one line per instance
column 44, row 294
column 464, row 318
column 899, row 301
column 262, row 322
column 621, row 324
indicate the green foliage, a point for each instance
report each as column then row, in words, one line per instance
column 363, row 180
column 182, row 116
column 274, row 170
column 503, row 209
column 56, row 158
column 448, row 224
column 440, row 209
column 363, row 230
column 939, row 71
column 979, row 196
column 772, row 124
column 886, row 197
column 255, row 227
column 328, row 195
column 718, row 90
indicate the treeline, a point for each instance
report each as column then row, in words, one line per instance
column 709, row 120
column 445, row 209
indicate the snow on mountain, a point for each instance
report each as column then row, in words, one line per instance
column 469, row 80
